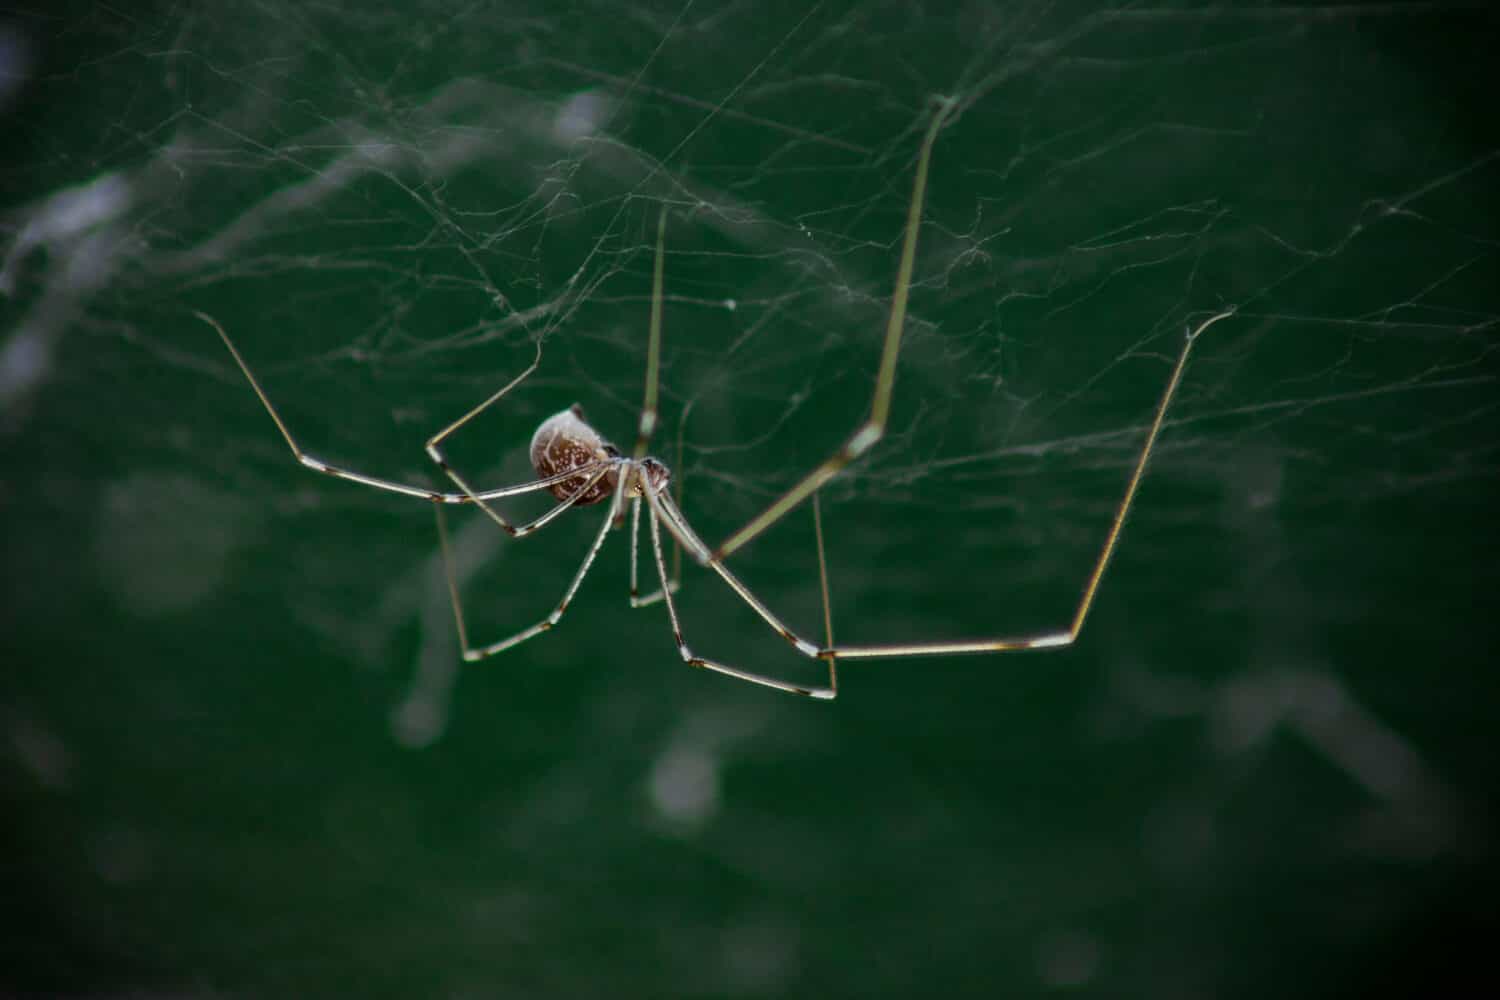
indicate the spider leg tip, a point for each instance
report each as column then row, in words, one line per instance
column 1224, row 313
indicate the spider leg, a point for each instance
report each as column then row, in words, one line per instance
column 663, row 507
column 674, row 584
column 653, row 347
column 469, row 494
column 594, row 474
column 869, row 432
column 470, row 653
column 827, row 654
column 390, row 486
column 1067, row 636
column 694, row 660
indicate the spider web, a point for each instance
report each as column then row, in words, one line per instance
column 393, row 212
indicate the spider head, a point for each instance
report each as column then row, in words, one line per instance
column 654, row 475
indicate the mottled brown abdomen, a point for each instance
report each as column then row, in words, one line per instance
column 565, row 441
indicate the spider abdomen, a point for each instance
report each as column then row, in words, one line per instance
column 565, row 441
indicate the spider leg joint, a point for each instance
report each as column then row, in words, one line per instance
column 863, row 440
column 1051, row 641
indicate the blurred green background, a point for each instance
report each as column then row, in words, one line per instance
column 239, row 756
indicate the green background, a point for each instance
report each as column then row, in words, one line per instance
column 239, row 756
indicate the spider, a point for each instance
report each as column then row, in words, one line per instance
column 580, row 468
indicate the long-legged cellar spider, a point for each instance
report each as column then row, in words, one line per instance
column 581, row 468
